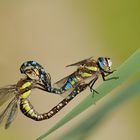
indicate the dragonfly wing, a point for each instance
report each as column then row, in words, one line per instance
column 80, row 62
column 12, row 115
column 61, row 82
column 7, row 110
column 6, row 93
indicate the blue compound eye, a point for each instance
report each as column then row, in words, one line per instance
column 104, row 63
column 101, row 62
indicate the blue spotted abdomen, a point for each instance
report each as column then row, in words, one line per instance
column 71, row 82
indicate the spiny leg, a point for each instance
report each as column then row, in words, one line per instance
column 91, row 83
column 108, row 73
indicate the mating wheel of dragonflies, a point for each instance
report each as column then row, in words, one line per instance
column 36, row 77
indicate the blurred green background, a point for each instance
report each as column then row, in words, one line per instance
column 58, row 33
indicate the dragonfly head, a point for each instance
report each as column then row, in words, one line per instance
column 28, row 68
column 35, row 71
column 104, row 63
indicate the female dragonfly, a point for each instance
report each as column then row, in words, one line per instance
column 20, row 93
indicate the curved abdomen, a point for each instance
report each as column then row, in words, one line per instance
column 28, row 110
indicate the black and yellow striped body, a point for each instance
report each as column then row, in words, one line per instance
column 89, row 70
column 25, row 106
column 28, row 110
column 24, row 85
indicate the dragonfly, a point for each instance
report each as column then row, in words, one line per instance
column 21, row 91
column 19, row 94
column 36, row 77
column 88, row 72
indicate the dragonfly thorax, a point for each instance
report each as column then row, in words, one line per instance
column 27, row 93
column 88, row 71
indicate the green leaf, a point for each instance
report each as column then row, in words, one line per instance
column 82, row 130
column 125, row 71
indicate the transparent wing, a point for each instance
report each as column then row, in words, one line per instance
column 11, row 115
column 80, row 62
column 61, row 82
column 9, row 112
column 6, row 93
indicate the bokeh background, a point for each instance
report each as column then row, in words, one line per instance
column 58, row 33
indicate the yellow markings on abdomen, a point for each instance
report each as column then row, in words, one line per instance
column 75, row 79
column 27, row 109
column 25, row 94
column 73, row 82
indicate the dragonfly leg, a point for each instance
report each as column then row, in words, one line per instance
column 91, row 84
column 108, row 73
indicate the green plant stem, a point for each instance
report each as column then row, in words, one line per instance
column 83, row 129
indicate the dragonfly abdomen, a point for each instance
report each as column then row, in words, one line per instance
column 71, row 82
column 28, row 110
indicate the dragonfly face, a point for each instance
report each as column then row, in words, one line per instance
column 34, row 70
column 32, row 73
column 104, row 63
